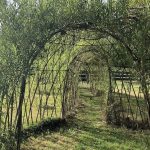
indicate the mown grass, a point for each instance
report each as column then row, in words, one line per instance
column 89, row 131
column 34, row 109
column 130, row 101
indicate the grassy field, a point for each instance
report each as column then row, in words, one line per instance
column 89, row 131
column 130, row 96
column 134, row 89
column 37, row 106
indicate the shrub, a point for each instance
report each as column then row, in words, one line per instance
column 7, row 140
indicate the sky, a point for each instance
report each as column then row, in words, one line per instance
column 10, row 1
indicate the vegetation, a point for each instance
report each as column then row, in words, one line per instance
column 46, row 44
column 88, row 130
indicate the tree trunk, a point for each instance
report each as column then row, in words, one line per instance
column 19, row 112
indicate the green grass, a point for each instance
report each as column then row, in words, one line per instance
column 130, row 96
column 89, row 131
column 128, row 88
column 35, row 116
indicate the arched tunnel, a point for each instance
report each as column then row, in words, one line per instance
column 51, row 81
column 77, row 67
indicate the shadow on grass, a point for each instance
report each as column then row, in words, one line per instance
column 89, row 137
column 86, row 132
column 49, row 125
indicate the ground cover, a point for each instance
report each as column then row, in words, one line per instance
column 89, row 131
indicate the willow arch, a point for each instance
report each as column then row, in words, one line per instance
column 52, row 67
column 49, row 78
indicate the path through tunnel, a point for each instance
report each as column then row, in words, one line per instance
column 53, row 81
column 86, row 130
column 87, row 70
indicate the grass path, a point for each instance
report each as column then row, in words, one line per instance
column 88, row 131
